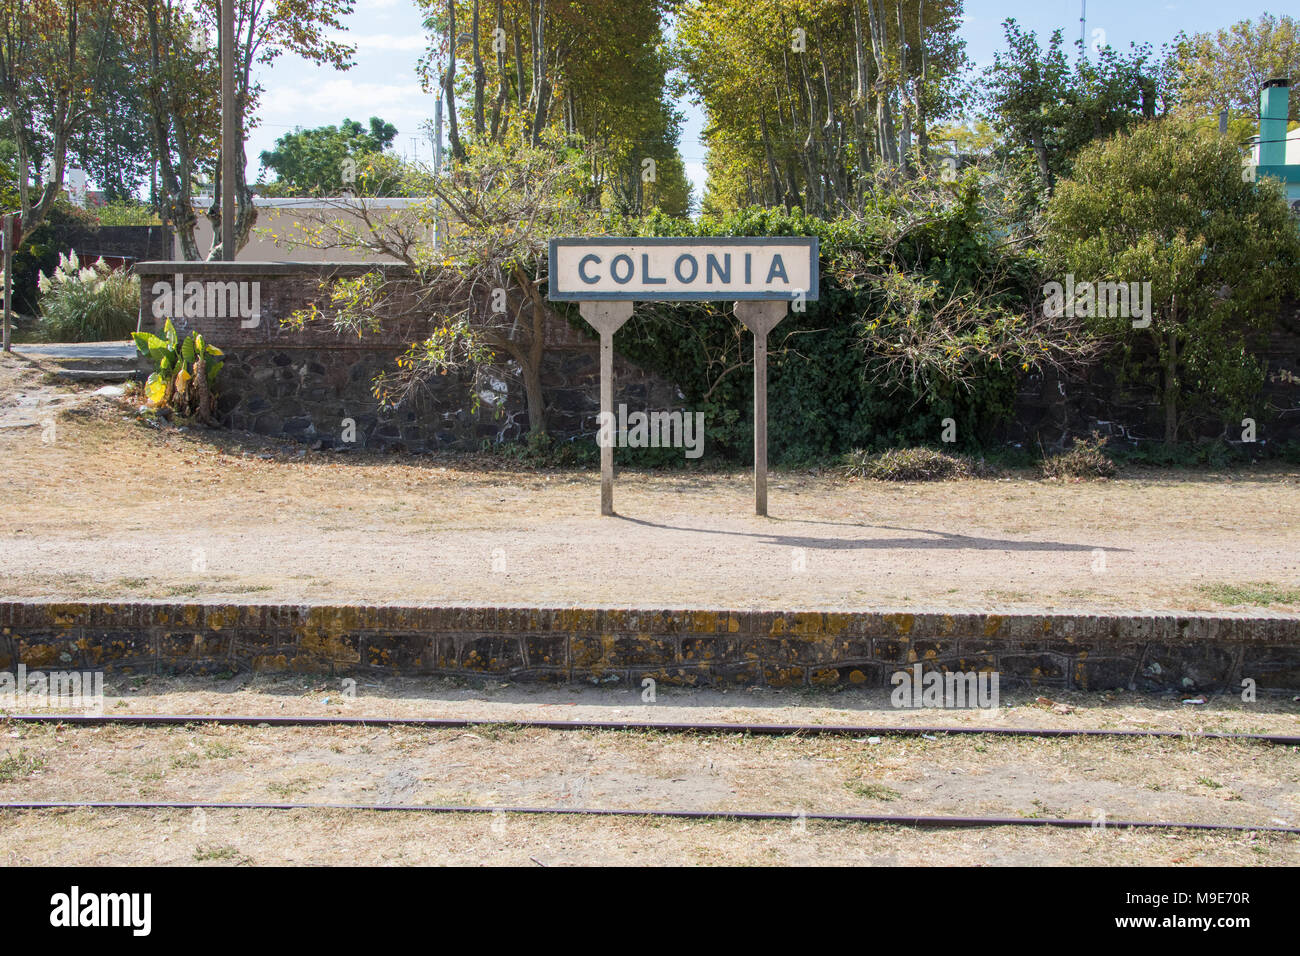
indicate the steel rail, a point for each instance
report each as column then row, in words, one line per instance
column 919, row 822
column 762, row 730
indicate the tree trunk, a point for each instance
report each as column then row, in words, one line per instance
column 480, row 75
column 503, row 75
column 811, row 151
column 245, row 210
column 1171, row 381
column 905, row 130
column 167, row 129
column 541, row 81
column 862, row 132
column 922, row 125
column 449, row 84
column 533, row 394
column 530, row 358
column 777, row 189
column 1045, row 170
column 519, row 63
column 884, row 87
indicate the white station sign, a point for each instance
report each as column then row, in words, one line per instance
column 683, row 270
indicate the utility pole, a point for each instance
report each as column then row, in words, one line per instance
column 437, row 136
column 437, row 170
column 1083, row 31
column 228, row 127
column 8, row 224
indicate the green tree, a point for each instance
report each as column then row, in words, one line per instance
column 263, row 33
column 53, row 67
column 1047, row 110
column 1167, row 204
column 475, row 298
column 175, row 73
column 1225, row 69
column 115, row 145
column 594, row 69
column 310, row 162
column 807, row 99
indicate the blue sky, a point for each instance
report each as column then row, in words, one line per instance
column 389, row 40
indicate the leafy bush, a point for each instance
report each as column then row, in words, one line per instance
column 40, row 251
column 920, row 318
column 1214, row 454
column 1085, row 459
column 126, row 212
column 184, row 381
column 90, row 304
column 539, row 450
column 911, row 464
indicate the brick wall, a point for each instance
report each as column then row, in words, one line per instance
column 1151, row 651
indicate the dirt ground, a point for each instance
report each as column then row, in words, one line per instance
column 1182, row 780
column 353, row 838
column 100, row 503
column 105, row 505
column 294, row 695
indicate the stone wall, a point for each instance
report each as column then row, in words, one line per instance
column 308, row 384
column 1148, row 651
column 1055, row 408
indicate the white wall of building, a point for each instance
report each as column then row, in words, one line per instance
column 282, row 224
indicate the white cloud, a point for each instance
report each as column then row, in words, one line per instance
column 300, row 103
column 308, row 104
column 367, row 43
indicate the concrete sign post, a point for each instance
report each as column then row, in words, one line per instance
column 607, row 275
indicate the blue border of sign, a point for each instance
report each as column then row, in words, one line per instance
column 810, row 295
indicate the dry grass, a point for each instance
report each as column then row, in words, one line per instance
column 351, row 838
column 1168, row 779
column 912, row 464
column 1131, row 779
column 1086, row 459
column 316, row 696
column 1195, row 781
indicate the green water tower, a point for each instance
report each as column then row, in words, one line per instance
column 1274, row 104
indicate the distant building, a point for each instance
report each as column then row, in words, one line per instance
column 1276, row 153
column 284, row 223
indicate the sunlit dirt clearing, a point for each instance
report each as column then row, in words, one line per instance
column 113, row 508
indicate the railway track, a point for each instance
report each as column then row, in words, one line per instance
column 702, row 728
column 715, row 727
column 901, row 820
